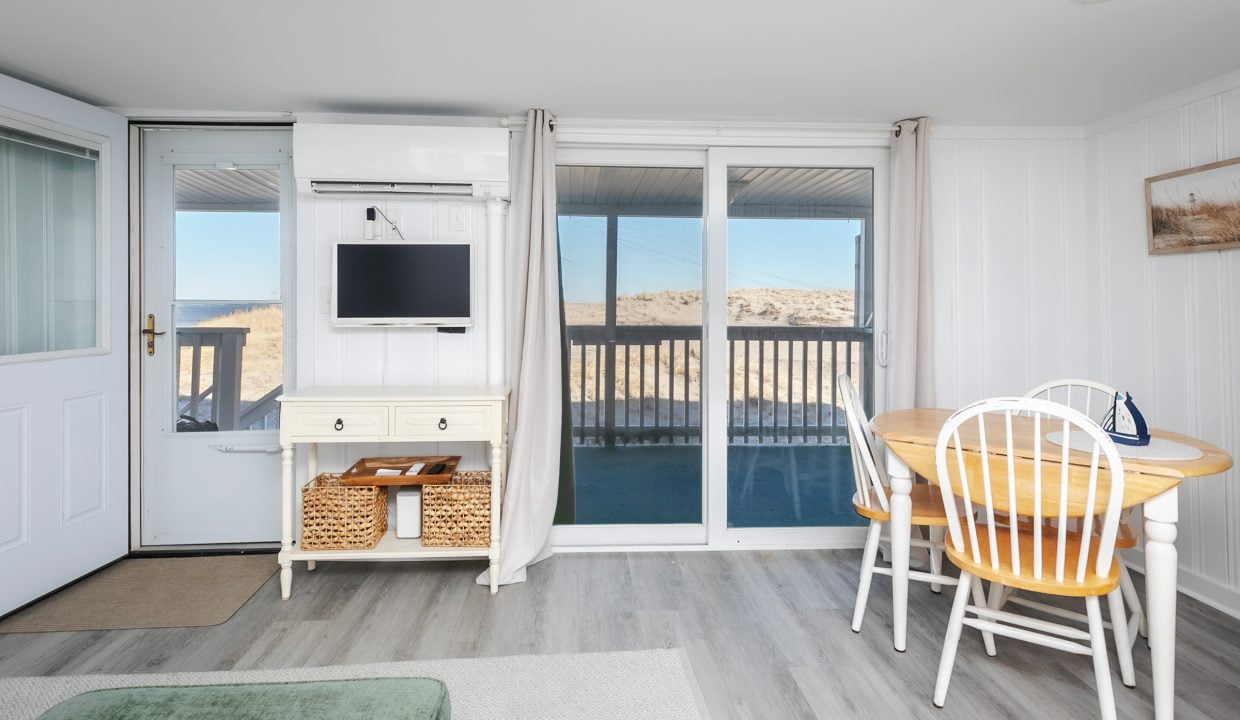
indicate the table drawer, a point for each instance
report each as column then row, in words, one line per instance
column 335, row 420
column 454, row 422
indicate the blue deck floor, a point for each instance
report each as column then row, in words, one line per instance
column 663, row 484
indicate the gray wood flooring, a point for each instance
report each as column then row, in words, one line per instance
column 767, row 633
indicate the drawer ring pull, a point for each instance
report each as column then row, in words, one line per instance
column 339, row 424
column 443, row 423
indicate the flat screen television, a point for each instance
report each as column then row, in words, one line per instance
column 401, row 284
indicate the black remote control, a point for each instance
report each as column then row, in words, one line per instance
column 434, row 469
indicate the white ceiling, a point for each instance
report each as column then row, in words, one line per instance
column 961, row 61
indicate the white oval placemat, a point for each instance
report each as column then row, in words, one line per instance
column 1158, row 449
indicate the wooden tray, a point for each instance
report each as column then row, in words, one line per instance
column 363, row 471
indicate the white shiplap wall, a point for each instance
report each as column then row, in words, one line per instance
column 1171, row 324
column 1042, row 272
column 328, row 355
column 1010, row 264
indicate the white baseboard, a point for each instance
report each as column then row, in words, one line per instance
column 1220, row 597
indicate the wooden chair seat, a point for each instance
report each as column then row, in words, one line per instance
column 927, row 506
column 1093, row 584
column 1127, row 538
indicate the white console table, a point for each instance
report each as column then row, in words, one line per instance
column 346, row 414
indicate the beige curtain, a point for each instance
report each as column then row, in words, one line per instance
column 907, row 350
column 534, row 358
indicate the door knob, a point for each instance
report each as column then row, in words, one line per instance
column 149, row 332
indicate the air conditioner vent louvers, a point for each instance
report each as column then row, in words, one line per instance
column 337, row 186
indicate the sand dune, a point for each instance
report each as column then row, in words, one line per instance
column 262, row 361
column 262, row 367
column 746, row 306
column 799, row 364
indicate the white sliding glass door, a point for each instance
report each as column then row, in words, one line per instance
column 711, row 298
column 631, row 258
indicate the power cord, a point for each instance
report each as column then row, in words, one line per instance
column 389, row 222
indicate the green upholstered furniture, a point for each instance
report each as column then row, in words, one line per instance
column 373, row 698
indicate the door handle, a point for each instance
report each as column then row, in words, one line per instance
column 267, row 449
column 443, row 423
column 339, row 424
column 149, row 332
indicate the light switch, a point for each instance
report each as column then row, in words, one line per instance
column 457, row 217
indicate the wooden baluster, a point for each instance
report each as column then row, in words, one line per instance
column 804, row 391
column 818, row 404
column 761, row 390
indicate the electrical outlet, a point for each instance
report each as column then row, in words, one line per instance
column 458, row 216
column 397, row 216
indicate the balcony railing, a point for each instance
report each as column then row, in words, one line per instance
column 635, row 384
column 217, row 403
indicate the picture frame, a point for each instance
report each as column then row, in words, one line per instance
column 1194, row 210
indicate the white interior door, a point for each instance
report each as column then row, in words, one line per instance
column 63, row 383
column 217, row 218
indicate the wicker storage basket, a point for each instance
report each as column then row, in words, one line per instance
column 341, row 517
column 458, row 514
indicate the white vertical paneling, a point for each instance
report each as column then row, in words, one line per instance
column 14, row 477
column 1229, row 290
column 1010, row 264
column 1042, row 271
column 1193, row 337
column 1005, row 279
column 966, row 295
column 1082, row 353
column 1046, row 250
column 385, row 356
column 1165, row 328
column 1166, row 149
column 946, row 260
column 83, row 457
column 1127, row 304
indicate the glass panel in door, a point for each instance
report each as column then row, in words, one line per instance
column 799, row 313
column 631, row 266
column 228, row 310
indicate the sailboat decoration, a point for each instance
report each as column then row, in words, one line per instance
column 1124, row 422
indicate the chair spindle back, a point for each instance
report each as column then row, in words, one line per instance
column 986, row 461
column 868, row 469
column 1086, row 396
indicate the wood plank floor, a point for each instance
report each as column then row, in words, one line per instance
column 767, row 633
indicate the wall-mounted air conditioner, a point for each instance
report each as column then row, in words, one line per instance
column 401, row 159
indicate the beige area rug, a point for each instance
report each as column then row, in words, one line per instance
column 646, row 684
column 150, row 593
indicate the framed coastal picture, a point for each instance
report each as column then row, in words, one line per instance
column 1195, row 209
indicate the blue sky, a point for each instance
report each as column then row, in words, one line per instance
column 235, row 255
column 666, row 254
column 228, row 256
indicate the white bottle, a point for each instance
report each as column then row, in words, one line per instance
column 409, row 512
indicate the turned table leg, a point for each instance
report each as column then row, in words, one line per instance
column 1161, row 560
column 901, row 529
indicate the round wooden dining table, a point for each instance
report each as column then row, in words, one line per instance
column 910, row 437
